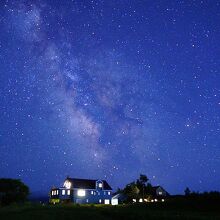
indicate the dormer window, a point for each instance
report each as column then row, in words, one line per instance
column 67, row 184
column 99, row 184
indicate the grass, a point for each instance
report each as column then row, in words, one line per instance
column 169, row 210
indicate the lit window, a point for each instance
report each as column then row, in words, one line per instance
column 57, row 192
column 134, row 200
column 155, row 200
column 100, row 201
column 109, row 193
column 140, row 200
column 87, row 201
column 52, row 193
column 160, row 193
column 63, row 192
column 68, row 192
column 67, row 184
column 92, row 192
column 162, row 200
column 81, row 192
column 100, row 185
column 107, row 202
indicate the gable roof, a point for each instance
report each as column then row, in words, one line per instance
column 87, row 183
column 154, row 189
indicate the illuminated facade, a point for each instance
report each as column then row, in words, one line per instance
column 82, row 191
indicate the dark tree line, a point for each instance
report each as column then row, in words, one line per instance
column 12, row 191
column 201, row 195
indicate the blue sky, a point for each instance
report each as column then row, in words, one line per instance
column 109, row 90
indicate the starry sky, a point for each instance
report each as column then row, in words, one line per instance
column 110, row 89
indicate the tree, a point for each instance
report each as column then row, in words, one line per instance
column 143, row 180
column 131, row 191
column 12, row 190
column 187, row 191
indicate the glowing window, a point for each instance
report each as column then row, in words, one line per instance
column 52, row 193
column 57, row 192
column 109, row 193
column 100, row 201
column 81, row 192
column 100, row 185
column 63, row 192
column 67, row 184
column 160, row 193
column 107, row 202
column 68, row 192
column 92, row 192
column 87, row 201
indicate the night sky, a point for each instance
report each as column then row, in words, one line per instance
column 110, row 89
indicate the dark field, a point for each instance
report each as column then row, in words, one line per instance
column 168, row 210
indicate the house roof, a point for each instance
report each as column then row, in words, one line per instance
column 154, row 189
column 87, row 183
column 120, row 196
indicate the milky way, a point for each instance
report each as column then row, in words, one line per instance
column 110, row 89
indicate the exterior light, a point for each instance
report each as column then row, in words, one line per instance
column 140, row 200
column 81, row 192
column 155, row 200
column 162, row 200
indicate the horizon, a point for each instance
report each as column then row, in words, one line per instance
column 110, row 90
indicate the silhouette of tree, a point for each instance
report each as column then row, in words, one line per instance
column 143, row 180
column 12, row 190
column 131, row 191
column 187, row 191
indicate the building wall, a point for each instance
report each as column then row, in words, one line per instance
column 95, row 196
column 92, row 196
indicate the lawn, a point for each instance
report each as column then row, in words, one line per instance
column 96, row 212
